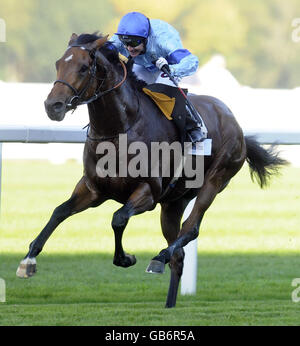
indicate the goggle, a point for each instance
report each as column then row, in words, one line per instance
column 132, row 41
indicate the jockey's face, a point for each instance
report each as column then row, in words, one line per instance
column 135, row 51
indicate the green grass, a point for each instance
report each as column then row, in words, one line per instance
column 248, row 255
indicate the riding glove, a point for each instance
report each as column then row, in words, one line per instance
column 161, row 62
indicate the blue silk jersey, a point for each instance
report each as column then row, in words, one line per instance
column 163, row 41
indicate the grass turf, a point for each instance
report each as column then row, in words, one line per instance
column 248, row 255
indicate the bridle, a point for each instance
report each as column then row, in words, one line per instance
column 77, row 99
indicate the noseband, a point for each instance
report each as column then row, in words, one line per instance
column 77, row 98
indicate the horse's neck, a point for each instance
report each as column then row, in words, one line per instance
column 113, row 114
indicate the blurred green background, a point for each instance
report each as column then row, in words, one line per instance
column 255, row 36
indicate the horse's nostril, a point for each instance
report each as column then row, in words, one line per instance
column 58, row 106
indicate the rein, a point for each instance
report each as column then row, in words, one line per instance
column 76, row 99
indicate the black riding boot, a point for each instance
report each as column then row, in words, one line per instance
column 193, row 127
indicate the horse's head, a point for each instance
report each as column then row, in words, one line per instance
column 76, row 77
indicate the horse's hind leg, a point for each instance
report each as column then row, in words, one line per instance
column 81, row 199
column 190, row 228
column 171, row 214
column 215, row 180
column 141, row 200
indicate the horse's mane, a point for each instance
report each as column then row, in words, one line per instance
column 112, row 55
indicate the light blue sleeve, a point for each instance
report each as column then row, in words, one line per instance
column 186, row 67
column 182, row 62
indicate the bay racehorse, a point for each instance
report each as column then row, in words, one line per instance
column 91, row 72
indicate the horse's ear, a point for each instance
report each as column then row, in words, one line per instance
column 73, row 38
column 100, row 42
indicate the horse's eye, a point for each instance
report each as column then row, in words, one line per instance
column 83, row 69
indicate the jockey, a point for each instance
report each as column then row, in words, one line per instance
column 153, row 44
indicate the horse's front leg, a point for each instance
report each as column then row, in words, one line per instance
column 140, row 201
column 81, row 199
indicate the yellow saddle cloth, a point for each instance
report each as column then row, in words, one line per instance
column 165, row 103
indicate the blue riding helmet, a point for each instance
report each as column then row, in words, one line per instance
column 134, row 24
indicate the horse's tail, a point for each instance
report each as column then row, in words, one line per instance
column 263, row 162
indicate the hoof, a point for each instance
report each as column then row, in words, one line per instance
column 155, row 267
column 27, row 268
column 125, row 261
